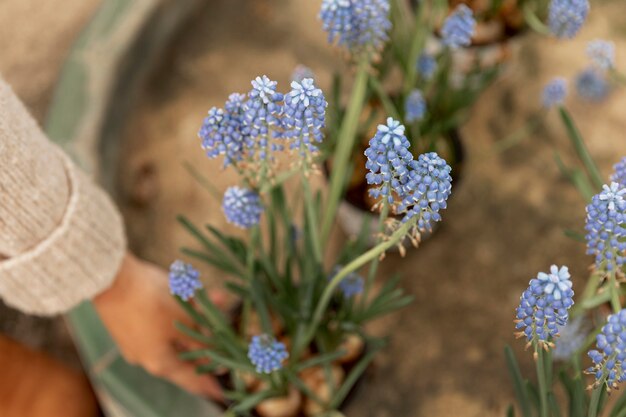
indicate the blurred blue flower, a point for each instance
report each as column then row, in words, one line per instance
column 566, row 17
column 426, row 66
column 601, row 53
column 427, row 190
column 605, row 234
column 304, row 116
column 619, row 173
column 415, row 106
column 544, row 305
column 242, row 207
column 554, row 93
column 388, row 159
column 459, row 27
column 592, row 85
column 184, row 280
column 301, row 72
column 267, row 354
column 351, row 285
column 361, row 26
column 571, row 338
column 609, row 361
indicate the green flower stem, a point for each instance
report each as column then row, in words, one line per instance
column 581, row 148
column 590, row 290
column 594, row 403
column 345, row 145
column 543, row 384
column 533, row 20
column 351, row 267
column 311, row 215
column 371, row 274
column 388, row 105
column 420, row 31
column 616, row 305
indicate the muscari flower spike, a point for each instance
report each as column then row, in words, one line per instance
column 601, row 53
column 609, row 360
column 301, row 72
column 242, row 207
column 571, row 338
column 262, row 112
column 554, row 93
column 619, row 173
column 591, row 85
column 184, row 280
column 222, row 131
column 266, row 354
column 605, row 234
column 544, row 306
column 459, row 27
column 415, row 106
column 426, row 66
column 361, row 26
column 351, row 285
column 304, row 116
column 566, row 17
column 427, row 190
column 388, row 161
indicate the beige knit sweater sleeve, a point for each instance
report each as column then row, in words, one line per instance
column 61, row 238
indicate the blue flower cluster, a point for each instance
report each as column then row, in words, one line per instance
column 222, row 132
column 544, row 305
column 420, row 187
column 267, row 354
column 304, row 116
column 566, row 17
column 242, row 207
column 605, row 235
column 426, row 66
column 262, row 112
column 184, row 280
column 554, row 93
column 591, row 85
column 415, row 106
column 571, row 338
column 361, row 26
column 601, row 53
column 351, row 285
column 459, row 27
column 619, row 173
column 609, row 361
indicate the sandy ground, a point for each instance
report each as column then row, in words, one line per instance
column 35, row 37
column 504, row 224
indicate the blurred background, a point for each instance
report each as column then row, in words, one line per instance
column 505, row 221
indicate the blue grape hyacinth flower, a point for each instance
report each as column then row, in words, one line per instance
column 554, row 93
column 571, row 338
column 351, row 285
column 609, row 360
column 605, row 234
column 262, row 112
column 415, row 106
column 619, row 173
column 592, row 85
column 459, row 27
column 388, row 161
column 361, row 26
column 304, row 116
column 544, row 306
column 184, row 280
column 427, row 190
column 267, row 354
column 601, row 53
column 242, row 207
column 566, row 17
column 426, row 66
column 222, row 132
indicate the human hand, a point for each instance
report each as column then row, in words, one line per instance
column 139, row 313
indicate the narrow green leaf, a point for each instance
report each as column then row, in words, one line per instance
column 518, row 382
column 207, row 340
column 319, row 360
column 252, row 401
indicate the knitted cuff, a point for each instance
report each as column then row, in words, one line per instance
column 79, row 259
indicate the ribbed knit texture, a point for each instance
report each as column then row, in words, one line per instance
column 62, row 237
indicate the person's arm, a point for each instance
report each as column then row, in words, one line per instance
column 62, row 242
